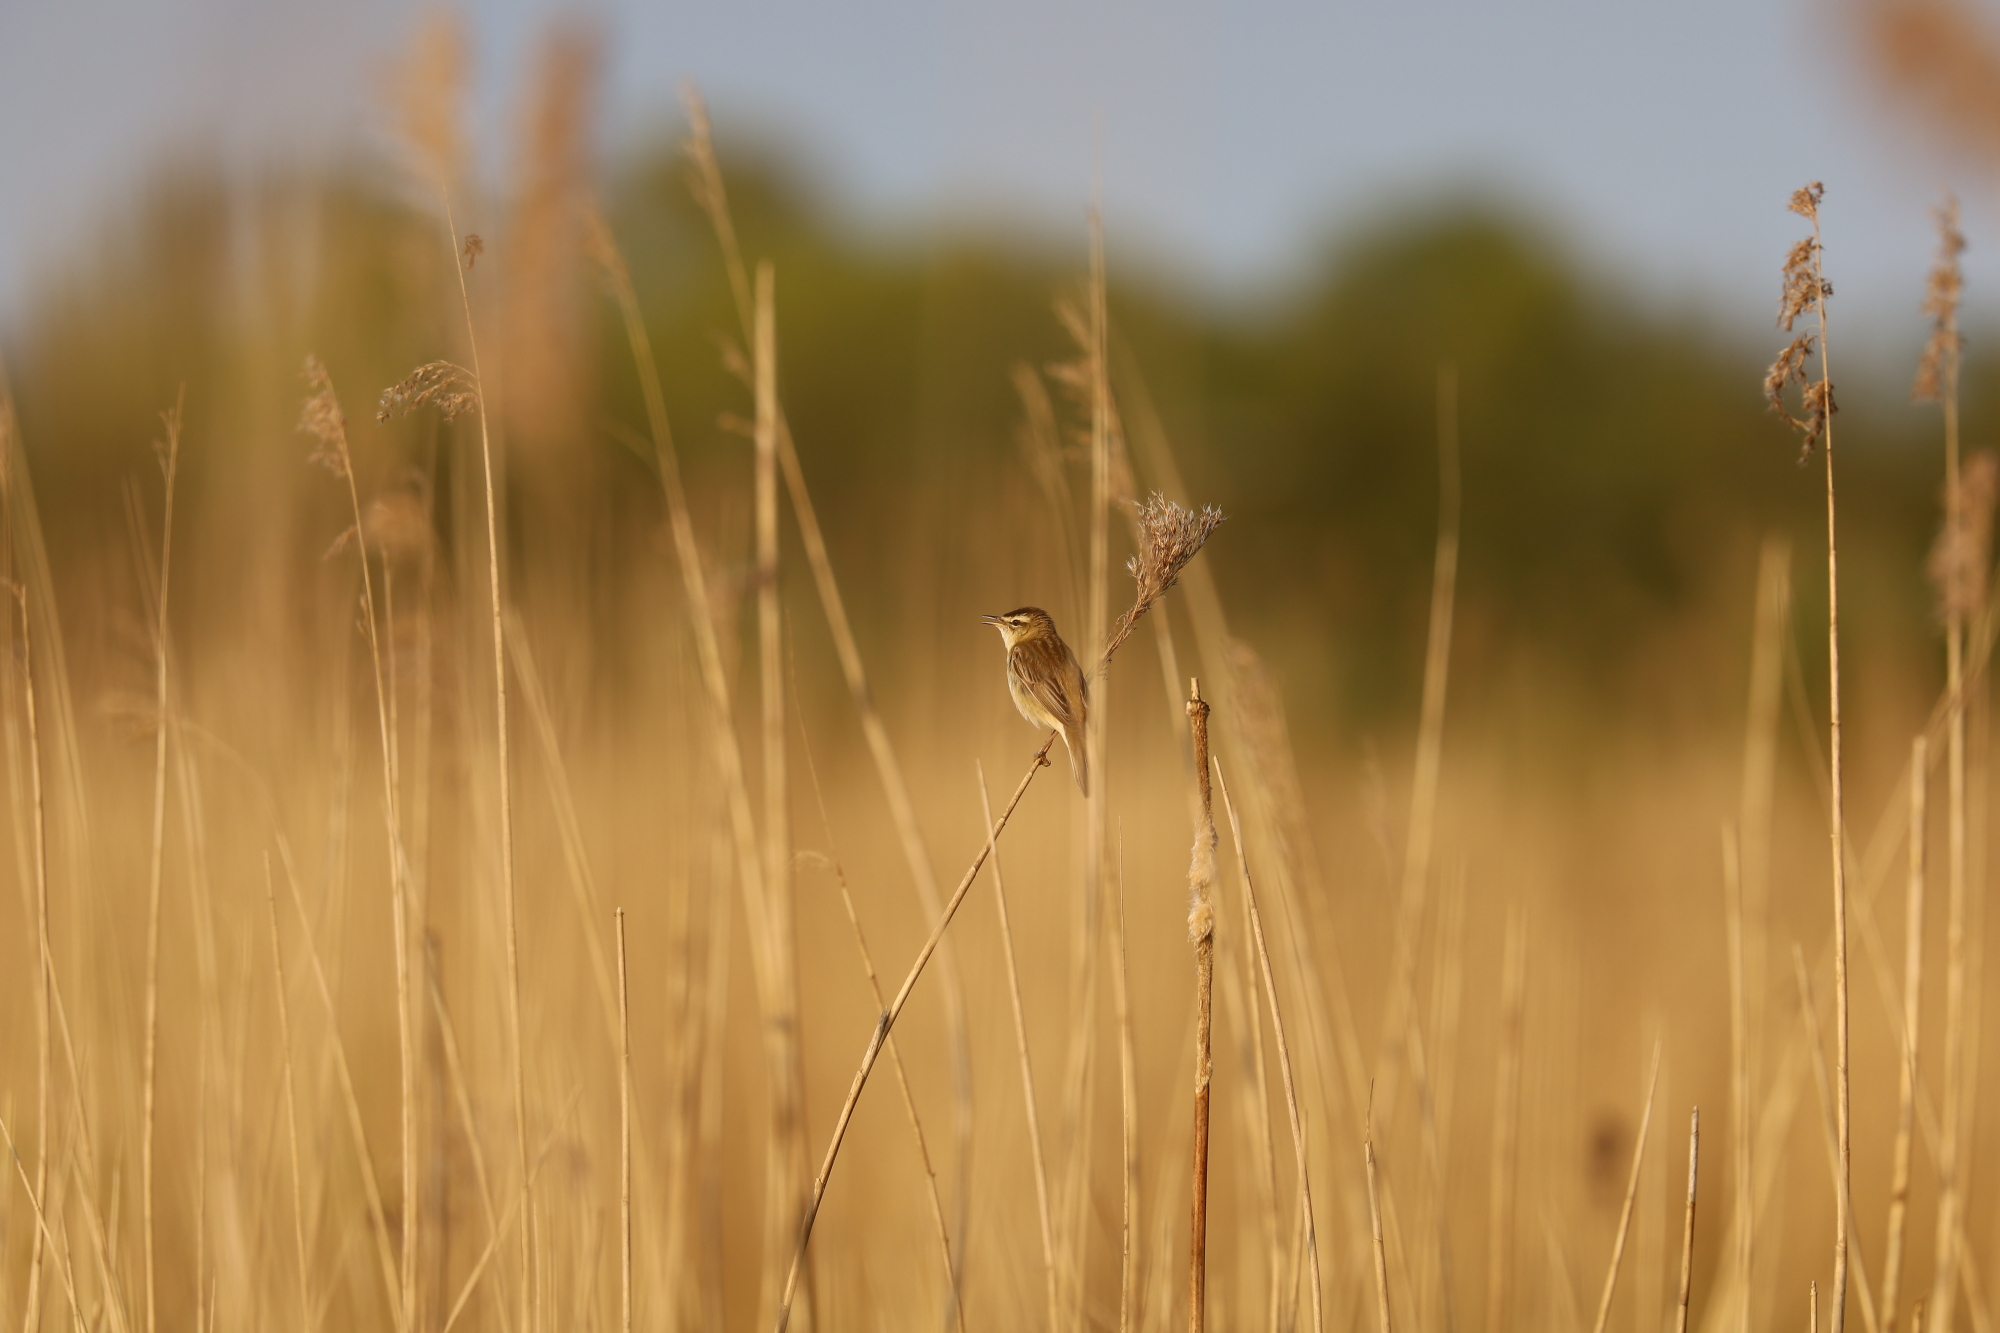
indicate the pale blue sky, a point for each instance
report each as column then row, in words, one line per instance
column 1661, row 138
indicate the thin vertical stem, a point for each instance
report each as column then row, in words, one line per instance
column 1944, row 1284
column 624, row 1137
column 1201, row 933
column 1837, row 832
column 1307, row 1223
column 785, row 1173
column 1631, row 1194
column 505, row 777
column 1913, row 983
column 1375, row 1230
column 1687, row 1226
column 291, row 1105
column 1506, row 1119
column 1027, row 1070
column 170, row 461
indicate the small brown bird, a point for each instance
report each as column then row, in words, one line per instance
column 1047, row 684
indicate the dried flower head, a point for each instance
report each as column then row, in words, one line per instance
column 1963, row 553
column 1805, row 289
column 474, row 247
column 1938, row 367
column 1169, row 537
column 322, row 419
column 450, row 388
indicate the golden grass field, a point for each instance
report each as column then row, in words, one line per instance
column 448, row 901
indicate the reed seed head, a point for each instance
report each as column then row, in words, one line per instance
column 1169, row 537
column 450, row 388
column 322, row 419
column 1942, row 294
column 1804, row 290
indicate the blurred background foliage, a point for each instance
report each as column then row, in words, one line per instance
column 1619, row 466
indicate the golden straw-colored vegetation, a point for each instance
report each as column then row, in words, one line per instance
column 498, row 732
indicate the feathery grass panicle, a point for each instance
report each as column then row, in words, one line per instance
column 322, row 419
column 427, row 92
column 1942, row 294
column 445, row 385
column 1169, row 537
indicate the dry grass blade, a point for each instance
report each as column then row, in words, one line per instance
column 170, row 457
column 886, row 1021
column 1631, row 1195
column 624, row 1137
column 1306, row 1218
column 291, row 1104
column 1506, row 1118
column 1687, row 1225
column 1375, row 1234
column 1027, row 1068
column 1913, row 984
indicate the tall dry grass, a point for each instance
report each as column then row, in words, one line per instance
column 489, row 978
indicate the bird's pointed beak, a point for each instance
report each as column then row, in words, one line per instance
column 995, row 621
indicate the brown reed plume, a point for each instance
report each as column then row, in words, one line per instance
column 1169, row 537
column 1805, row 292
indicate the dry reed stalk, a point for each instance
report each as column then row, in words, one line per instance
column 1128, row 1105
column 1753, row 862
column 36, row 877
column 701, row 617
column 1027, row 1069
column 1631, row 1195
column 886, row 1022
column 1958, row 566
column 1806, row 290
column 42, row 1230
column 1307, row 1221
column 954, row 1297
column 1687, row 1226
column 1201, row 934
column 337, row 1049
column 291, row 1104
column 1096, row 385
column 1506, row 1118
column 112, row 1296
column 624, row 1137
column 710, row 194
column 458, row 390
column 1827, row 1125
column 170, row 457
column 514, row 1205
column 785, row 1172
column 1375, row 1234
column 1913, row 982
column 323, row 419
column 1734, row 926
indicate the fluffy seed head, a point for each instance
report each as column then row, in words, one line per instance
column 1963, row 553
column 440, row 384
column 322, row 419
column 1942, row 293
